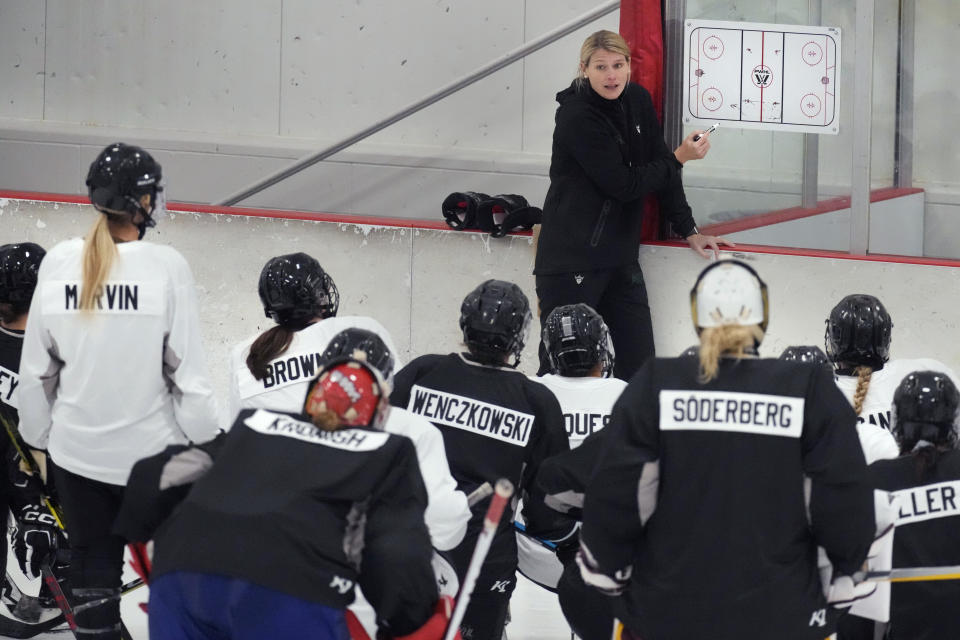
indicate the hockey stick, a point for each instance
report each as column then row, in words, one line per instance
column 479, row 494
column 31, row 463
column 69, row 613
column 909, row 574
column 522, row 530
column 502, row 493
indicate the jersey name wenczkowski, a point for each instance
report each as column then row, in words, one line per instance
column 753, row 413
column 475, row 416
column 273, row 424
column 118, row 297
column 928, row 502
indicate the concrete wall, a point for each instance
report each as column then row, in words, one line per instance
column 226, row 92
column 413, row 280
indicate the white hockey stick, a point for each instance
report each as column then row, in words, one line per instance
column 909, row 574
column 502, row 493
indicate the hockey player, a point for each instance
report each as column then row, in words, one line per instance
column 496, row 423
column 581, row 360
column 805, row 353
column 36, row 538
column 112, row 369
column 299, row 295
column 926, row 479
column 695, row 515
column 291, row 510
column 272, row 369
column 857, row 340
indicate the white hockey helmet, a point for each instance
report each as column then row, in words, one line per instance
column 729, row 292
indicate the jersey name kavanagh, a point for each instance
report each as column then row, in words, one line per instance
column 273, row 424
column 475, row 416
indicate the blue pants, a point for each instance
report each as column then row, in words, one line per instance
column 201, row 606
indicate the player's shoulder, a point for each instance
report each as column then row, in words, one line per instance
column 63, row 251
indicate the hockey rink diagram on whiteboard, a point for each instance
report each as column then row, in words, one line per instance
column 762, row 76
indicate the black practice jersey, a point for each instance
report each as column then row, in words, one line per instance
column 11, row 346
column 309, row 513
column 927, row 534
column 699, row 495
column 496, row 423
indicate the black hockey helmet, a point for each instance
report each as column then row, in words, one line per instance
column 805, row 353
column 125, row 179
column 19, row 265
column 495, row 320
column 577, row 339
column 858, row 332
column 925, row 407
column 361, row 344
column 294, row 289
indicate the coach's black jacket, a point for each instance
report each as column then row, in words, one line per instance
column 607, row 155
column 290, row 507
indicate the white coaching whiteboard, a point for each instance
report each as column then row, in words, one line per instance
column 762, row 76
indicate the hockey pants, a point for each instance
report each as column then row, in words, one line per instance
column 96, row 555
column 185, row 605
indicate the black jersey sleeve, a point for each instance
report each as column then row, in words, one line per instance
column 550, row 440
column 562, row 479
column 404, row 379
column 622, row 492
column 395, row 574
column 841, row 498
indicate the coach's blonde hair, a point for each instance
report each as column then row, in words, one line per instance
column 731, row 339
column 607, row 40
column 99, row 252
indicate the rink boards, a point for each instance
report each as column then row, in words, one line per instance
column 413, row 280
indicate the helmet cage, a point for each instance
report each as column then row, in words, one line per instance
column 926, row 406
column 495, row 320
column 858, row 332
column 294, row 289
column 577, row 339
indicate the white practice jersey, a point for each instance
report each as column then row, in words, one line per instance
column 447, row 512
column 873, row 423
column 586, row 403
column 285, row 387
column 103, row 389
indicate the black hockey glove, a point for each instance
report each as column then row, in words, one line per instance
column 35, row 539
column 567, row 549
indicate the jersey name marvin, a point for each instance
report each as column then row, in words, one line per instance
column 115, row 297
column 274, row 424
column 928, row 502
column 753, row 413
column 475, row 416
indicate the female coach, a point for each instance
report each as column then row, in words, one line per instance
column 608, row 153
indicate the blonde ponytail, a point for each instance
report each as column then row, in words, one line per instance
column 730, row 339
column 863, row 385
column 99, row 251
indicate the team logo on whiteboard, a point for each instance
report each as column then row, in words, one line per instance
column 762, row 76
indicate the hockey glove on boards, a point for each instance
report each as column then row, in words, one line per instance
column 35, row 539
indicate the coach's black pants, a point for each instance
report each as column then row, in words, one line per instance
column 619, row 295
column 96, row 555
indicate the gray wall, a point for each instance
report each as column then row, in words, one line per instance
column 226, row 92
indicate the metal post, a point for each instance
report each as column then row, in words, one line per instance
column 906, row 51
column 811, row 142
column 479, row 74
column 674, row 13
column 862, row 122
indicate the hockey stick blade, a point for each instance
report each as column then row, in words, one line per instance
column 11, row 628
column 910, row 574
column 502, row 494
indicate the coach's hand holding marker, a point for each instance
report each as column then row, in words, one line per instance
column 695, row 147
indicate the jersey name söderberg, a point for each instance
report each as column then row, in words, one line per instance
column 753, row 413
column 928, row 502
column 273, row 424
column 475, row 416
